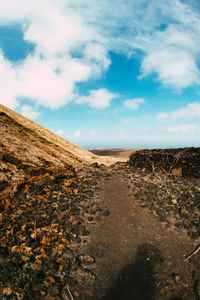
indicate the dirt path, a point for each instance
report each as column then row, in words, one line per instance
column 137, row 257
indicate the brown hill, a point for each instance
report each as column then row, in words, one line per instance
column 25, row 144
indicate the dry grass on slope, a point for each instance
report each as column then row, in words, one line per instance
column 18, row 132
column 25, row 146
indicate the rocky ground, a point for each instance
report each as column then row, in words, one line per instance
column 97, row 232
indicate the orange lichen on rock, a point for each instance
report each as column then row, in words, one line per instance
column 38, row 261
column 41, row 197
column 59, row 259
column 61, row 246
column 27, row 187
column 5, row 202
column 177, row 171
column 46, row 240
column 64, row 240
column 51, row 279
column 60, row 268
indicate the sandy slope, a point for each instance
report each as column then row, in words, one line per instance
column 32, row 143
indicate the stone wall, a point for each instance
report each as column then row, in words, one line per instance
column 179, row 161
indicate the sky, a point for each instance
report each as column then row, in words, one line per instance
column 117, row 73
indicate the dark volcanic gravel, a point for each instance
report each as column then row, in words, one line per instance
column 41, row 219
column 168, row 182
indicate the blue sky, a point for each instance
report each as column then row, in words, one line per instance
column 107, row 74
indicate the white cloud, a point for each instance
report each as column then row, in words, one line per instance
column 50, row 81
column 8, row 86
column 49, row 76
column 185, row 128
column 77, row 134
column 172, row 52
column 73, row 40
column 192, row 110
column 134, row 103
column 175, row 68
column 98, row 99
column 29, row 112
column 59, row 132
column 93, row 133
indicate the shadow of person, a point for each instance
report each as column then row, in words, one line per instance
column 136, row 281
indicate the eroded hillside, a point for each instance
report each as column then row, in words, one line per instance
column 25, row 145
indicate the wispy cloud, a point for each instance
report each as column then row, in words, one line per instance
column 98, row 99
column 134, row 103
column 185, row 128
column 77, row 133
column 29, row 112
column 192, row 110
column 93, row 133
column 176, row 68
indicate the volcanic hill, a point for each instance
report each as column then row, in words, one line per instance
column 73, row 227
column 25, row 145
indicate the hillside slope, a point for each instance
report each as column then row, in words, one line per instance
column 15, row 128
column 25, row 144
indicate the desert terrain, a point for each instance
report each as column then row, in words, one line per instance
column 81, row 225
column 122, row 154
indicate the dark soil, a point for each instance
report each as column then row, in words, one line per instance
column 119, row 232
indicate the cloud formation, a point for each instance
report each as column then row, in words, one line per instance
column 29, row 112
column 73, row 40
column 77, row 134
column 93, row 133
column 134, row 103
column 175, row 68
column 185, row 128
column 67, row 51
column 98, row 99
column 192, row 110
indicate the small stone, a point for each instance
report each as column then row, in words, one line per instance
column 174, row 201
column 7, row 291
column 95, row 165
column 177, row 172
column 86, row 260
column 175, row 276
column 106, row 213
